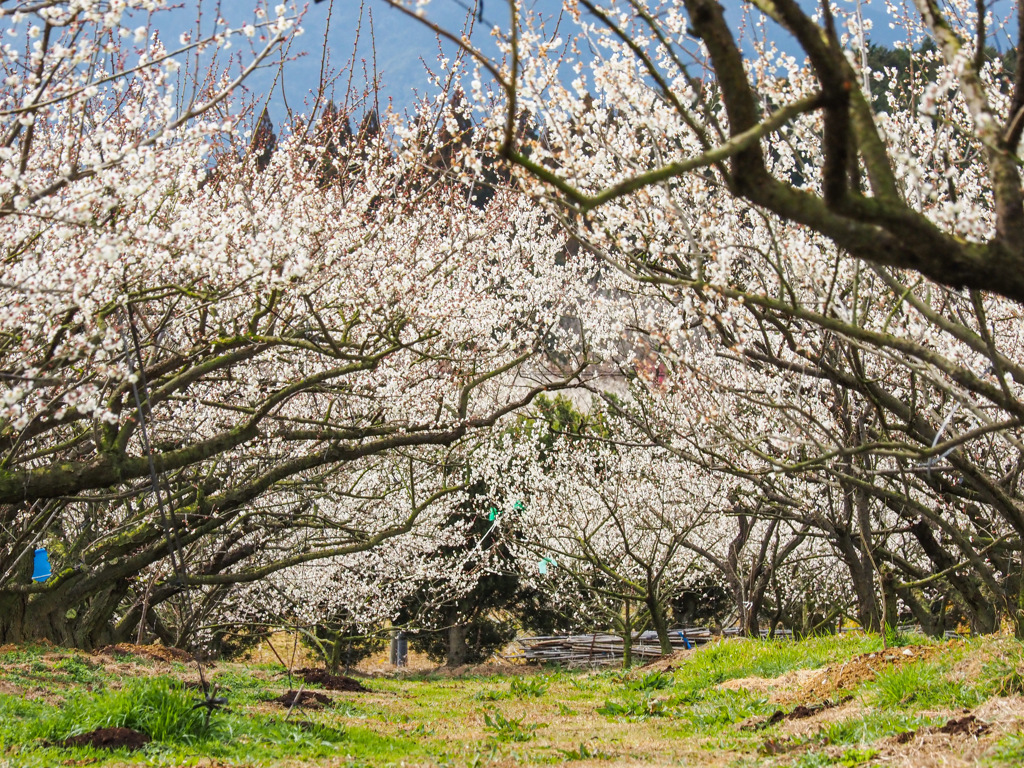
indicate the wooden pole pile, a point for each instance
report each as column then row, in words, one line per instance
column 583, row 650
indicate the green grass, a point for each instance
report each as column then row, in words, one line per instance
column 649, row 681
column 158, row 707
column 873, row 726
column 78, row 669
column 1004, row 677
column 655, row 717
column 32, row 731
column 487, row 695
column 23, row 653
column 509, row 728
column 713, row 710
column 770, row 658
column 844, row 759
column 583, row 752
column 635, row 710
column 242, row 688
column 923, row 685
column 1009, row 751
column 521, row 687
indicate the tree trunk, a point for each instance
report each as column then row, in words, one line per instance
column 1017, row 614
column 869, row 614
column 334, row 658
column 627, row 639
column 932, row 622
column 752, row 621
column 86, row 626
column 458, row 649
column 12, row 619
column 659, row 621
column 888, row 580
column 966, row 583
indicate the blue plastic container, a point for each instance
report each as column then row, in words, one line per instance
column 41, row 566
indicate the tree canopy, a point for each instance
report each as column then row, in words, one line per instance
column 255, row 373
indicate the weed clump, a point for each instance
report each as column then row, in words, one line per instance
column 651, row 681
column 583, row 752
column 1004, row 679
column 158, row 707
column 509, row 728
column 524, row 687
column 636, row 710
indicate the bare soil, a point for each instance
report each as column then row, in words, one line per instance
column 822, row 718
column 110, row 738
column 152, row 652
column 668, row 663
column 331, row 682
column 305, row 699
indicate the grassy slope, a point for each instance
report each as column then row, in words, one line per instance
column 711, row 707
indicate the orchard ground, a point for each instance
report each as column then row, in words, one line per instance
column 823, row 701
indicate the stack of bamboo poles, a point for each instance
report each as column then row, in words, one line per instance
column 581, row 650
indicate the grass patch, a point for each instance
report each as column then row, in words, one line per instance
column 731, row 659
column 508, row 728
column 583, row 752
column 874, row 726
column 923, row 685
column 647, row 716
column 78, row 670
column 846, row 758
column 713, row 710
column 158, row 707
column 649, row 681
column 522, row 687
column 490, row 695
column 32, row 731
column 22, row 653
column 635, row 710
column 1003, row 678
column 1009, row 751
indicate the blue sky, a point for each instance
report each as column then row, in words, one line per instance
column 399, row 46
column 397, row 50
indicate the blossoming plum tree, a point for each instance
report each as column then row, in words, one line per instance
column 803, row 244
column 219, row 362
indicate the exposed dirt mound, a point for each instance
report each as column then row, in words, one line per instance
column 331, row 682
column 667, row 663
column 860, row 669
column 799, row 712
column 154, row 652
column 773, row 747
column 109, row 738
column 306, row 699
column 969, row 725
column 964, row 726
